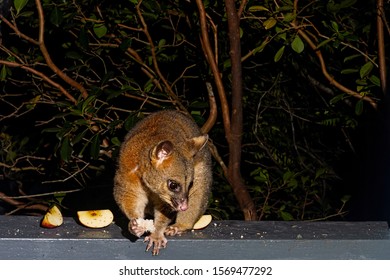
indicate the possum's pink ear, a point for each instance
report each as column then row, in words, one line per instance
column 195, row 144
column 161, row 152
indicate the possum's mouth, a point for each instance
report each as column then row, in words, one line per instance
column 180, row 204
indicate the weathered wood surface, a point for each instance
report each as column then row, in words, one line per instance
column 21, row 237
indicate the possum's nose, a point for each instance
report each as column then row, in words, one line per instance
column 182, row 204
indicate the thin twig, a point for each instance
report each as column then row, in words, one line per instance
column 381, row 45
column 17, row 31
column 44, row 194
column 47, row 57
column 21, row 205
column 214, row 67
column 41, row 75
column 170, row 92
column 69, row 177
column 241, row 8
column 325, row 72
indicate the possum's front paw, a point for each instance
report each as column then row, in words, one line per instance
column 139, row 226
column 157, row 241
column 175, row 229
column 136, row 228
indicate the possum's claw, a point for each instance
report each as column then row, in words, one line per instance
column 176, row 229
column 157, row 242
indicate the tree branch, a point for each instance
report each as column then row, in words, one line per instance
column 170, row 92
column 21, row 205
column 241, row 8
column 235, row 138
column 41, row 44
column 47, row 57
column 41, row 75
column 17, row 31
column 324, row 70
column 214, row 67
column 381, row 46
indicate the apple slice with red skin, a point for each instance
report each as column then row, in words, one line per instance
column 53, row 218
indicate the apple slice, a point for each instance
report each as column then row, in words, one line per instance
column 53, row 218
column 203, row 222
column 95, row 218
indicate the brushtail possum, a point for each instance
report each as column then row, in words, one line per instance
column 164, row 170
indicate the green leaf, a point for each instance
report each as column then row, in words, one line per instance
column 95, row 146
column 289, row 17
column 323, row 43
column 73, row 55
column 297, row 44
column 320, row 172
column 56, row 16
column 336, row 99
column 257, row 9
column 19, row 5
column 33, row 102
column 59, row 197
column 100, row 30
column 86, row 103
column 79, row 137
column 345, row 198
column 130, row 121
column 330, row 122
column 293, row 183
column 279, row 54
column 366, row 69
column 347, row 3
column 83, row 38
column 288, row 176
column 359, row 107
column 262, row 46
column 351, row 57
column 116, row 141
column 260, row 175
column 375, row 80
column 269, row 23
column 286, row 216
column 335, row 26
column 361, row 84
column 23, row 142
column 286, row 8
column 332, row 7
column 125, row 44
column 3, row 73
column 11, row 155
column 51, row 130
column 349, row 71
column 227, row 64
column 281, row 33
column 162, row 43
column 26, row 14
column 66, row 149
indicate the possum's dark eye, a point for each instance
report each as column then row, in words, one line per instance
column 174, row 186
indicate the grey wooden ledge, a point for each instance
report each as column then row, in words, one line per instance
column 21, row 237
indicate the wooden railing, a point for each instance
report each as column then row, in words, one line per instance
column 21, row 237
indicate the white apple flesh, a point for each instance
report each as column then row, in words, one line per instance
column 203, row 222
column 53, row 218
column 95, row 218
